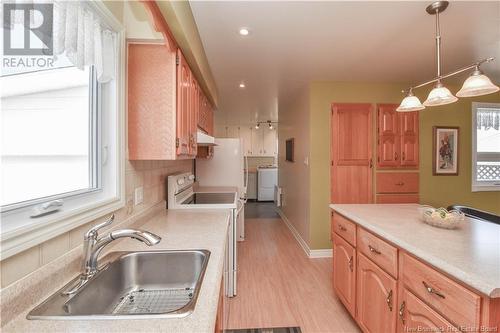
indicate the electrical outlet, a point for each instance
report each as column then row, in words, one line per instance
column 138, row 195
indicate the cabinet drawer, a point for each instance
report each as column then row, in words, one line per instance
column 455, row 302
column 344, row 228
column 379, row 251
column 397, row 198
column 397, row 182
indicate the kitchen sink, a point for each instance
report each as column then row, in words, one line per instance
column 133, row 285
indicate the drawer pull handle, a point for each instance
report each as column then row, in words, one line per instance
column 402, row 312
column 351, row 267
column 431, row 290
column 374, row 250
column 403, row 156
column 341, row 227
column 388, row 300
column 400, row 184
column 395, row 156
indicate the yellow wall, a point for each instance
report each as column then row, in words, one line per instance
column 434, row 190
column 446, row 190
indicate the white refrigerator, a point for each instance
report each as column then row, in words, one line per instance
column 227, row 167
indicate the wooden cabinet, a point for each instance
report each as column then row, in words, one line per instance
column 393, row 290
column 344, row 273
column 397, row 141
column 184, row 106
column 256, row 142
column 206, row 114
column 351, row 143
column 397, row 187
column 376, row 298
column 416, row 316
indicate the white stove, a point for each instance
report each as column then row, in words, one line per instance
column 181, row 195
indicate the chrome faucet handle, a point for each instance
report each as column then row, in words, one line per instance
column 92, row 233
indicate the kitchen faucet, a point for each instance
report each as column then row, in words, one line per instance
column 92, row 247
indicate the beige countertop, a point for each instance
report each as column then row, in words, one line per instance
column 179, row 229
column 471, row 253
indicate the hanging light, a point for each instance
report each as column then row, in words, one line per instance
column 410, row 103
column 440, row 95
column 477, row 84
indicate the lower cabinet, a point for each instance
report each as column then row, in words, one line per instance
column 219, row 320
column 344, row 273
column 416, row 316
column 376, row 298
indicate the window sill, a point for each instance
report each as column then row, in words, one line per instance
column 19, row 234
column 485, row 188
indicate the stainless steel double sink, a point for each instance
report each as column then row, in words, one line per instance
column 133, row 285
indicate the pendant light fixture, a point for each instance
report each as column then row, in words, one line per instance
column 477, row 84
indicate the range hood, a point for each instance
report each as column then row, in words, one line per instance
column 204, row 139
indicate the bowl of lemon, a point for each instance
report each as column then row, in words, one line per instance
column 440, row 217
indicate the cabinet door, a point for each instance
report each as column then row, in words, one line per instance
column 193, row 115
column 344, row 273
column 376, row 298
column 351, row 142
column 183, row 105
column 269, row 144
column 257, row 139
column 416, row 316
column 388, row 136
column 246, row 138
column 409, row 139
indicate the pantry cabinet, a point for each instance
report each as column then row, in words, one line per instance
column 397, row 141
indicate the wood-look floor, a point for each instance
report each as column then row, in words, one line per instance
column 279, row 286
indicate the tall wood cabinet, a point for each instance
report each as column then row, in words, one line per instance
column 352, row 161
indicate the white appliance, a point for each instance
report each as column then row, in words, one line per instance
column 267, row 179
column 227, row 167
column 182, row 196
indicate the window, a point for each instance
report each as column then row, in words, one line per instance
column 63, row 129
column 485, row 147
column 49, row 134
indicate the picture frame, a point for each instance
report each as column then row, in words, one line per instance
column 445, row 152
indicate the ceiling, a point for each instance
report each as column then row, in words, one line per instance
column 292, row 43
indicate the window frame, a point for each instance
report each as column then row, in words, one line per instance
column 480, row 186
column 94, row 167
column 18, row 231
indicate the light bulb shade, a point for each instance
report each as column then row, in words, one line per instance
column 440, row 95
column 477, row 84
column 410, row 103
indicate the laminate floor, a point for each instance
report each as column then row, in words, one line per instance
column 278, row 286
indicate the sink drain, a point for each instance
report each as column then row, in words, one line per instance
column 153, row 301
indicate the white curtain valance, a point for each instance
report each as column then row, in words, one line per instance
column 488, row 118
column 79, row 33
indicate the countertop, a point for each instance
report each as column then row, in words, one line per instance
column 470, row 254
column 179, row 229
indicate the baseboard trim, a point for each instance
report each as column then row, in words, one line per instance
column 321, row 253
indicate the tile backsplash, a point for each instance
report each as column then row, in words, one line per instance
column 148, row 174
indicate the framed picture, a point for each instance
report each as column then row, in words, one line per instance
column 445, row 151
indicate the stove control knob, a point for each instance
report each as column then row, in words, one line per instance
column 180, row 181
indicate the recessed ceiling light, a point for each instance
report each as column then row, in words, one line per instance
column 242, row 85
column 244, row 31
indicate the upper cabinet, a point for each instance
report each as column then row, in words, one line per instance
column 164, row 104
column 397, row 138
column 261, row 142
